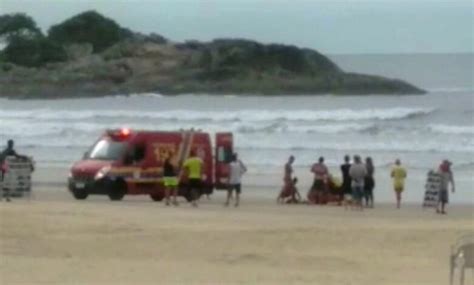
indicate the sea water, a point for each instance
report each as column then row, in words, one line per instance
column 420, row 130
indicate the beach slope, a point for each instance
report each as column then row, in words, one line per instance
column 53, row 239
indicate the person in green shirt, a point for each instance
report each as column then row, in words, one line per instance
column 193, row 169
column 398, row 174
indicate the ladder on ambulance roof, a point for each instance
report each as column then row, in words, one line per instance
column 185, row 147
column 224, row 152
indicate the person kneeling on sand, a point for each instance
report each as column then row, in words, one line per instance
column 291, row 192
column 398, row 175
column 237, row 169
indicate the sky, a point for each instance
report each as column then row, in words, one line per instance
column 333, row 27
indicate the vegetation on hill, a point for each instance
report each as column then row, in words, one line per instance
column 91, row 55
column 89, row 27
column 26, row 45
column 16, row 25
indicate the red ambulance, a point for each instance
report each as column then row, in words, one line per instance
column 125, row 161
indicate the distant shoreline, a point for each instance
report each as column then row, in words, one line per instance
column 221, row 67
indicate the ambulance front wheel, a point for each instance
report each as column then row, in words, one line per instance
column 79, row 194
column 117, row 190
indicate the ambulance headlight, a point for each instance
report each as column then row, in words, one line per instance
column 102, row 173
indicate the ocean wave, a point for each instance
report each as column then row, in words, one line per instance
column 260, row 143
column 279, row 127
column 57, row 130
column 254, row 115
column 451, row 129
column 360, row 146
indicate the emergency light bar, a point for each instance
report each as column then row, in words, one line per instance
column 122, row 133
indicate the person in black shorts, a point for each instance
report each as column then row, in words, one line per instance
column 193, row 167
column 237, row 169
column 170, row 180
column 369, row 183
column 346, row 178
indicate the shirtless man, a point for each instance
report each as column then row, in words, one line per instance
column 321, row 176
column 287, row 177
column 288, row 186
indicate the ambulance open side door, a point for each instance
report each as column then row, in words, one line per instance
column 224, row 151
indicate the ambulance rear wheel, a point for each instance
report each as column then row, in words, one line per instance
column 80, row 194
column 189, row 196
column 117, row 190
column 157, row 197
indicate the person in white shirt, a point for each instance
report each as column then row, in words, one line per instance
column 358, row 172
column 237, row 169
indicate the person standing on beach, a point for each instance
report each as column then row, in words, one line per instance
column 8, row 151
column 171, row 181
column 237, row 169
column 346, row 181
column 446, row 179
column 288, row 172
column 358, row 172
column 321, row 176
column 193, row 167
column 369, row 183
column 398, row 175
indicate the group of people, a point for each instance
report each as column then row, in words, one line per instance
column 357, row 185
column 192, row 173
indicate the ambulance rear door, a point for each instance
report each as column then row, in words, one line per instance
column 224, row 150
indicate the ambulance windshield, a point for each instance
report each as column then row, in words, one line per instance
column 107, row 150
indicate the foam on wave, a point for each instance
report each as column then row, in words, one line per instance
column 243, row 115
column 451, row 129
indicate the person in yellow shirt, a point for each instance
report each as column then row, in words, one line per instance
column 398, row 175
column 193, row 169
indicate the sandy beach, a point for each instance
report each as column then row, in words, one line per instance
column 53, row 239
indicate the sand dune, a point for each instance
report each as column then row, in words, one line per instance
column 53, row 239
